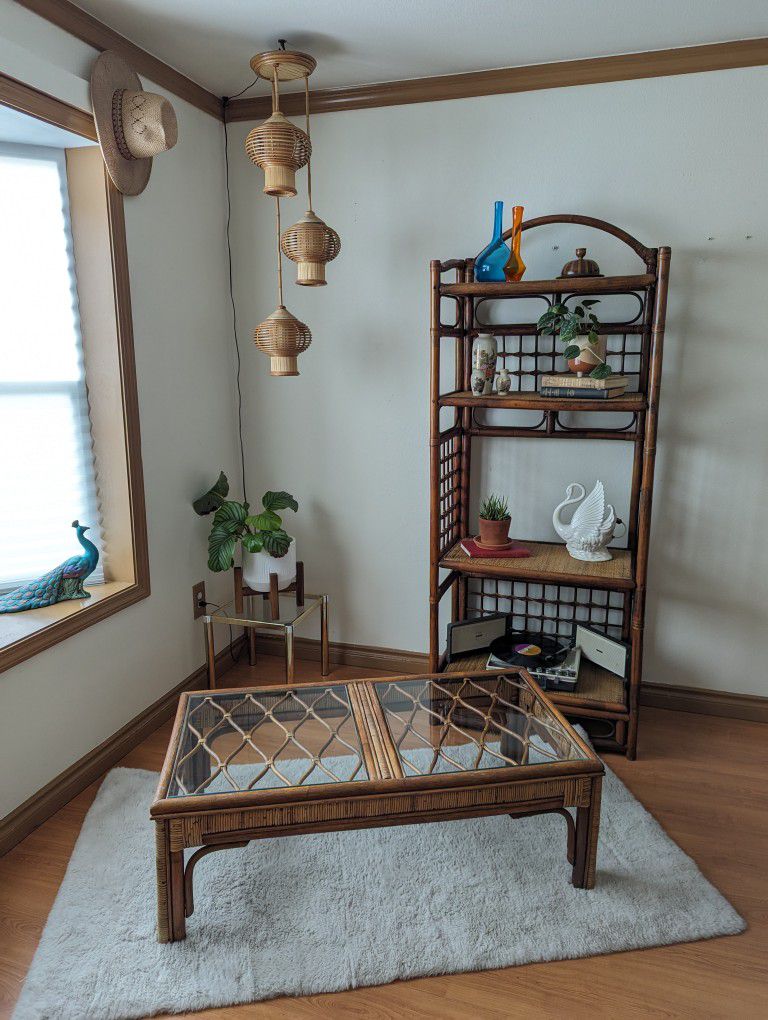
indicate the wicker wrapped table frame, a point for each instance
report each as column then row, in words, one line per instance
column 255, row 763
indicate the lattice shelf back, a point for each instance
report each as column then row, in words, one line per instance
column 551, row 608
column 450, row 488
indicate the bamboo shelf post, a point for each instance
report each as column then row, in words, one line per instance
column 550, row 590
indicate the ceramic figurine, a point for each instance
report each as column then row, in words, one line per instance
column 503, row 382
column 61, row 584
column 489, row 264
column 484, row 355
column 592, row 526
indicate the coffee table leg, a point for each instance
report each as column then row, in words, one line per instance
column 587, row 830
column 289, row 660
column 324, row 635
column 210, row 654
column 170, row 887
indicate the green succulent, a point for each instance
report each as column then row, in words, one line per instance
column 573, row 322
column 233, row 523
column 494, row 508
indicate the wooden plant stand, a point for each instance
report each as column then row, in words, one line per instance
column 253, row 763
column 549, row 591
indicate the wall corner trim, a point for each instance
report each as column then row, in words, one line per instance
column 527, row 78
column 95, row 33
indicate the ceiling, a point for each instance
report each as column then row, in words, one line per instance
column 362, row 41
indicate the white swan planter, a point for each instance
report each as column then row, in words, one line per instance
column 592, row 526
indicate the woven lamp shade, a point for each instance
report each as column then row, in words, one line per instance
column 310, row 243
column 280, row 149
column 283, row 337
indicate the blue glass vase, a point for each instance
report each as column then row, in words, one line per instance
column 489, row 264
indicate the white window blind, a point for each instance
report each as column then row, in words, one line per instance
column 47, row 472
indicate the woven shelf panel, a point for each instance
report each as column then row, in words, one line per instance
column 547, row 559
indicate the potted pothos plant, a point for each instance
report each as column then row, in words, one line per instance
column 266, row 546
column 578, row 328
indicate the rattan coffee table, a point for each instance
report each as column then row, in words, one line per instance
column 253, row 763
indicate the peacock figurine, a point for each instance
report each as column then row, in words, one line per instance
column 58, row 585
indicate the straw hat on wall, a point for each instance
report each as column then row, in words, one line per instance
column 132, row 125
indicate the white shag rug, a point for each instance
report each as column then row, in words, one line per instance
column 320, row 913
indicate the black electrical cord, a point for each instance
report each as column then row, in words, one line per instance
column 225, row 100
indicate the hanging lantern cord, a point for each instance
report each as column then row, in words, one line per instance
column 279, row 257
column 275, row 93
column 309, row 161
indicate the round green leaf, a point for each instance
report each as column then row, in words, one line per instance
column 601, row 371
column 571, row 351
column 279, row 501
column 276, row 543
column 231, row 513
column 221, row 548
column 253, row 543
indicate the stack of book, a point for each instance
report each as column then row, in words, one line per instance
column 566, row 384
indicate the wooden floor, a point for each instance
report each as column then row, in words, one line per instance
column 704, row 779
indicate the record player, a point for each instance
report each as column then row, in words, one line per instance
column 552, row 664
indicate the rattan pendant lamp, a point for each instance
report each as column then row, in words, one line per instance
column 310, row 243
column 277, row 146
column 282, row 336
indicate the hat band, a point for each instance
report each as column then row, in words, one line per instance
column 117, row 124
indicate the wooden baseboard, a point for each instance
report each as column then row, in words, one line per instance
column 46, row 802
column 393, row 660
column 670, row 696
column 703, row 702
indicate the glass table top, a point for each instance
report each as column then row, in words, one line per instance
column 464, row 724
column 256, row 611
column 234, row 741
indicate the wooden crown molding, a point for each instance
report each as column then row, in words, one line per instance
column 95, row 33
column 530, row 78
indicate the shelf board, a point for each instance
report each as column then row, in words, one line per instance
column 531, row 401
column 550, row 563
column 596, row 687
column 572, row 285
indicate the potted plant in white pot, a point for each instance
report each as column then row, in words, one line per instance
column 267, row 547
column 579, row 330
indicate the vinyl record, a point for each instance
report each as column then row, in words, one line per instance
column 532, row 650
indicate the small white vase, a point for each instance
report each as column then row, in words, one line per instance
column 258, row 566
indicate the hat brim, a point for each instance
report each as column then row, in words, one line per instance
column 110, row 72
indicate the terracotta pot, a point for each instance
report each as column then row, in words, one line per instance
column 494, row 532
column 590, row 356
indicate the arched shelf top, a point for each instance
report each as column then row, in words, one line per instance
column 648, row 255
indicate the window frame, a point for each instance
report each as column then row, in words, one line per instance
column 26, row 99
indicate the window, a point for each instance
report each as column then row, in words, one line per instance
column 46, row 456
column 70, row 444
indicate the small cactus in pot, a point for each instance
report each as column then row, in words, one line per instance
column 494, row 521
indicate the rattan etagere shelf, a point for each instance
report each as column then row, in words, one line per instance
column 550, row 590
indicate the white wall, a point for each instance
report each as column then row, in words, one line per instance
column 57, row 706
column 678, row 161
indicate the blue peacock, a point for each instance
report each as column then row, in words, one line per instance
column 58, row 585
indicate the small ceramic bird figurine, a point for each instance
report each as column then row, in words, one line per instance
column 592, row 526
column 58, row 585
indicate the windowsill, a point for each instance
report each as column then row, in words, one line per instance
column 24, row 634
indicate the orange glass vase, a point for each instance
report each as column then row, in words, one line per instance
column 515, row 266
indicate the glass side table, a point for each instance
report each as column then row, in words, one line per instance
column 258, row 614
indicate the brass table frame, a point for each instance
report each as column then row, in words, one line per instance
column 241, row 619
column 209, row 822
